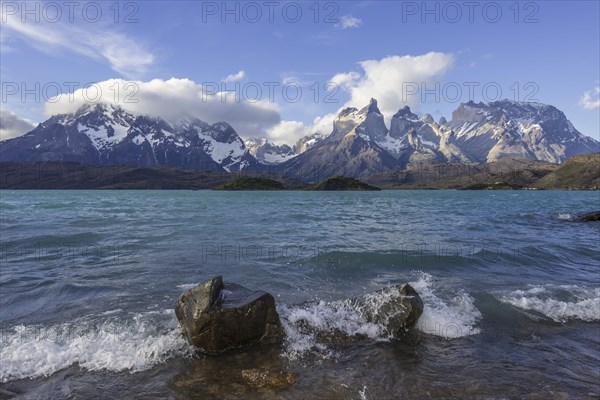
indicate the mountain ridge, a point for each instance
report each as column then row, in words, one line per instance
column 477, row 133
column 106, row 134
column 359, row 145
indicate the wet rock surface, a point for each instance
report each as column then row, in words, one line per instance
column 389, row 313
column 217, row 317
column 259, row 378
column 589, row 217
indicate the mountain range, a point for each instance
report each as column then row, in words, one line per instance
column 106, row 134
column 359, row 145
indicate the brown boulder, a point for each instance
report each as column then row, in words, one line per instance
column 217, row 317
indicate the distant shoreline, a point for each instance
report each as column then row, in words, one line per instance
column 578, row 173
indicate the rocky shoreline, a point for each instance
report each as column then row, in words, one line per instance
column 217, row 318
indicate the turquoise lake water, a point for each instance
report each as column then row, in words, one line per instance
column 511, row 286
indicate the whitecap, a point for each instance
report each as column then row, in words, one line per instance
column 560, row 303
column 445, row 316
column 450, row 316
column 114, row 344
column 352, row 317
column 187, row 286
column 565, row 216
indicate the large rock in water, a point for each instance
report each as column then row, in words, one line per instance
column 400, row 313
column 593, row 216
column 217, row 317
column 389, row 312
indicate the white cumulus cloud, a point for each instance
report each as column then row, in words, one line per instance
column 345, row 79
column 385, row 80
column 591, row 99
column 235, row 77
column 348, row 22
column 380, row 79
column 11, row 125
column 287, row 132
column 171, row 100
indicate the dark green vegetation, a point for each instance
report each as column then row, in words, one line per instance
column 249, row 183
column 257, row 183
column 579, row 172
column 493, row 186
column 341, row 183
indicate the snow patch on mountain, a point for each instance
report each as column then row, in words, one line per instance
column 269, row 153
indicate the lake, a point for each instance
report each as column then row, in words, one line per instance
column 511, row 289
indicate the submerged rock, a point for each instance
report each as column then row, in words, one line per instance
column 593, row 216
column 217, row 317
column 260, row 378
column 386, row 314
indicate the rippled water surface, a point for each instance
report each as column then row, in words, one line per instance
column 511, row 290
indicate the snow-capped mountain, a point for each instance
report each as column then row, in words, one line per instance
column 360, row 143
column 269, row 153
column 506, row 128
column 220, row 141
column 107, row 134
column 413, row 139
column 349, row 150
column 307, row 142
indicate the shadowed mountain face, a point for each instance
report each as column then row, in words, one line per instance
column 349, row 150
column 108, row 135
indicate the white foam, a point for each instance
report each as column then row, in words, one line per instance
column 114, row 344
column 187, row 286
column 363, row 393
column 452, row 317
column 115, row 311
column 560, row 303
column 366, row 317
column 565, row 216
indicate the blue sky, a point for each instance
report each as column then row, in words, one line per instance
column 548, row 51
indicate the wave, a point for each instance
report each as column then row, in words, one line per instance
column 449, row 316
column 560, row 303
column 445, row 316
column 349, row 317
column 188, row 286
column 565, row 216
column 115, row 344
